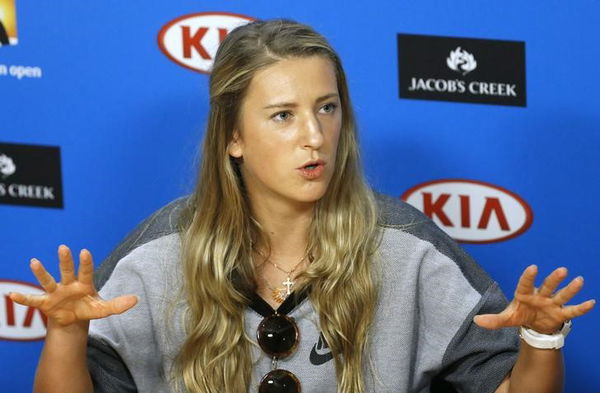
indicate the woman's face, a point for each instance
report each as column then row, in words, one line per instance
column 288, row 131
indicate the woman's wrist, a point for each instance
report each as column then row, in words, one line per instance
column 73, row 331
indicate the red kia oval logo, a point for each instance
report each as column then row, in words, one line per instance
column 192, row 40
column 472, row 211
column 17, row 322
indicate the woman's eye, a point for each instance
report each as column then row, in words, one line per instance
column 282, row 116
column 329, row 107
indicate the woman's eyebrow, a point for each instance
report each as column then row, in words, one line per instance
column 293, row 104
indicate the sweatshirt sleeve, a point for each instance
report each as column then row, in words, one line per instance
column 477, row 359
column 108, row 371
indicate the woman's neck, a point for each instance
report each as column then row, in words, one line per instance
column 286, row 228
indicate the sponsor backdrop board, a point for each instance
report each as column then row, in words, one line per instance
column 483, row 116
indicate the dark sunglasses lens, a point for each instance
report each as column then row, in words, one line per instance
column 279, row 381
column 277, row 335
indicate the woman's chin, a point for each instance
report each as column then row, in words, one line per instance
column 312, row 194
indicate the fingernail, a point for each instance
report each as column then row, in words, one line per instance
column 579, row 278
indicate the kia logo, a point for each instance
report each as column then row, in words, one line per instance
column 192, row 40
column 472, row 211
column 17, row 322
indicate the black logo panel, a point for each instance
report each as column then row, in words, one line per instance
column 462, row 69
column 30, row 175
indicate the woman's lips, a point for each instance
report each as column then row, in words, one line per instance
column 312, row 171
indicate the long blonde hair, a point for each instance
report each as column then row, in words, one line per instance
column 218, row 230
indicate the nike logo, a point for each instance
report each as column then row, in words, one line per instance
column 320, row 353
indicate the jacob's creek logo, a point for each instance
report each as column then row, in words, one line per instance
column 8, row 23
column 192, row 40
column 461, row 61
column 7, row 166
column 17, row 322
column 472, row 211
column 30, row 175
column 462, row 69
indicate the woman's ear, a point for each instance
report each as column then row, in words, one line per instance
column 235, row 145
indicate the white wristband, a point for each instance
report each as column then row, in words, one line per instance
column 545, row 341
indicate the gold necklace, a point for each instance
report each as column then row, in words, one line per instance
column 281, row 293
column 278, row 294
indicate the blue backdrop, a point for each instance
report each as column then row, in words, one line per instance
column 128, row 121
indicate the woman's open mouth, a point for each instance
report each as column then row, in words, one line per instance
column 312, row 170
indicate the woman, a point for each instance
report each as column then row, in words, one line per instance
column 286, row 272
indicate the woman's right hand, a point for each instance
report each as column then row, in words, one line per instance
column 75, row 298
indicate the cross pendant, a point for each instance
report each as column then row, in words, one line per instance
column 288, row 284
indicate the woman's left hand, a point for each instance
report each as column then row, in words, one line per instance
column 541, row 309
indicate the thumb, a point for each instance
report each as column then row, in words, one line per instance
column 490, row 321
column 121, row 304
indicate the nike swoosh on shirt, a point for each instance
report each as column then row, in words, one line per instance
column 320, row 353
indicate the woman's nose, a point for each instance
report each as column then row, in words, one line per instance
column 312, row 133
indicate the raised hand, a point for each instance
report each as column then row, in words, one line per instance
column 541, row 309
column 74, row 299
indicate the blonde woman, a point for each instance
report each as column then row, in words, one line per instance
column 283, row 272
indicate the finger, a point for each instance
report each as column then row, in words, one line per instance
column 552, row 281
column 567, row 293
column 121, row 304
column 492, row 321
column 571, row 312
column 44, row 278
column 67, row 268
column 526, row 285
column 86, row 268
column 27, row 300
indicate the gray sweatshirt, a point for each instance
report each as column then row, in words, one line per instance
column 422, row 340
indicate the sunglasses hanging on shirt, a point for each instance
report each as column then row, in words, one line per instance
column 278, row 336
